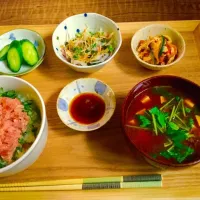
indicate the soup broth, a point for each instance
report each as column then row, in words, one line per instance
column 164, row 123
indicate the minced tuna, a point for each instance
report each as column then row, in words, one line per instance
column 13, row 122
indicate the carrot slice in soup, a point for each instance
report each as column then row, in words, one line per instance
column 141, row 112
column 132, row 122
column 198, row 119
column 189, row 103
column 145, row 99
column 162, row 99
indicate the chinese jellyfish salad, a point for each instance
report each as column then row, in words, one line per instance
column 164, row 123
column 19, row 125
column 157, row 50
column 89, row 48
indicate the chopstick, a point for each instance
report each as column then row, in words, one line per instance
column 116, row 182
column 116, row 179
column 86, row 186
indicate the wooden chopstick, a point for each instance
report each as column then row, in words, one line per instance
column 86, row 186
column 116, row 179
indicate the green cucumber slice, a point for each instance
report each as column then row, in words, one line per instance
column 14, row 56
column 3, row 52
column 29, row 52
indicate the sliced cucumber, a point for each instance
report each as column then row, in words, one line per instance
column 29, row 52
column 14, row 56
column 3, row 52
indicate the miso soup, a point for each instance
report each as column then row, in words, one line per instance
column 164, row 123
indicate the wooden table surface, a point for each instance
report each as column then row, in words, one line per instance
column 52, row 12
column 104, row 152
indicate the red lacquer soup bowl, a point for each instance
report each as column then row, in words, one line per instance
column 142, row 140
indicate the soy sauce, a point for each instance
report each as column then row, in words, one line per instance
column 87, row 108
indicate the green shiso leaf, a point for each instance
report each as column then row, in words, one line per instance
column 179, row 154
column 165, row 154
column 144, row 121
column 179, row 137
column 173, row 126
column 189, row 151
column 160, row 116
column 178, row 150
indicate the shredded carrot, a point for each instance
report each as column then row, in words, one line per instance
column 175, row 49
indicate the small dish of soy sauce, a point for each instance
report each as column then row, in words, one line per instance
column 86, row 104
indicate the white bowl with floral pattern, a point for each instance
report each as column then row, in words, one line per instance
column 68, row 29
column 85, row 85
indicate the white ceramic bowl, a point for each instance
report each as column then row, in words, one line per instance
column 69, row 27
column 153, row 30
column 85, row 85
column 13, row 83
column 20, row 34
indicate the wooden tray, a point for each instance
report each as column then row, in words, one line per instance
column 71, row 154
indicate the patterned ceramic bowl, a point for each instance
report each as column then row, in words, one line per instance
column 19, row 34
column 153, row 30
column 85, row 85
column 67, row 30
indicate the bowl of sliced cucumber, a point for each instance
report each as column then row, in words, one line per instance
column 21, row 51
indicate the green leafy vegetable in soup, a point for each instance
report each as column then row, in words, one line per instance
column 144, row 121
column 173, row 121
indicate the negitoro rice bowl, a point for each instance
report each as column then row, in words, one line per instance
column 19, row 124
column 23, row 125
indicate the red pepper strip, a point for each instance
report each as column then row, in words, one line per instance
column 170, row 46
column 169, row 49
column 161, row 59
